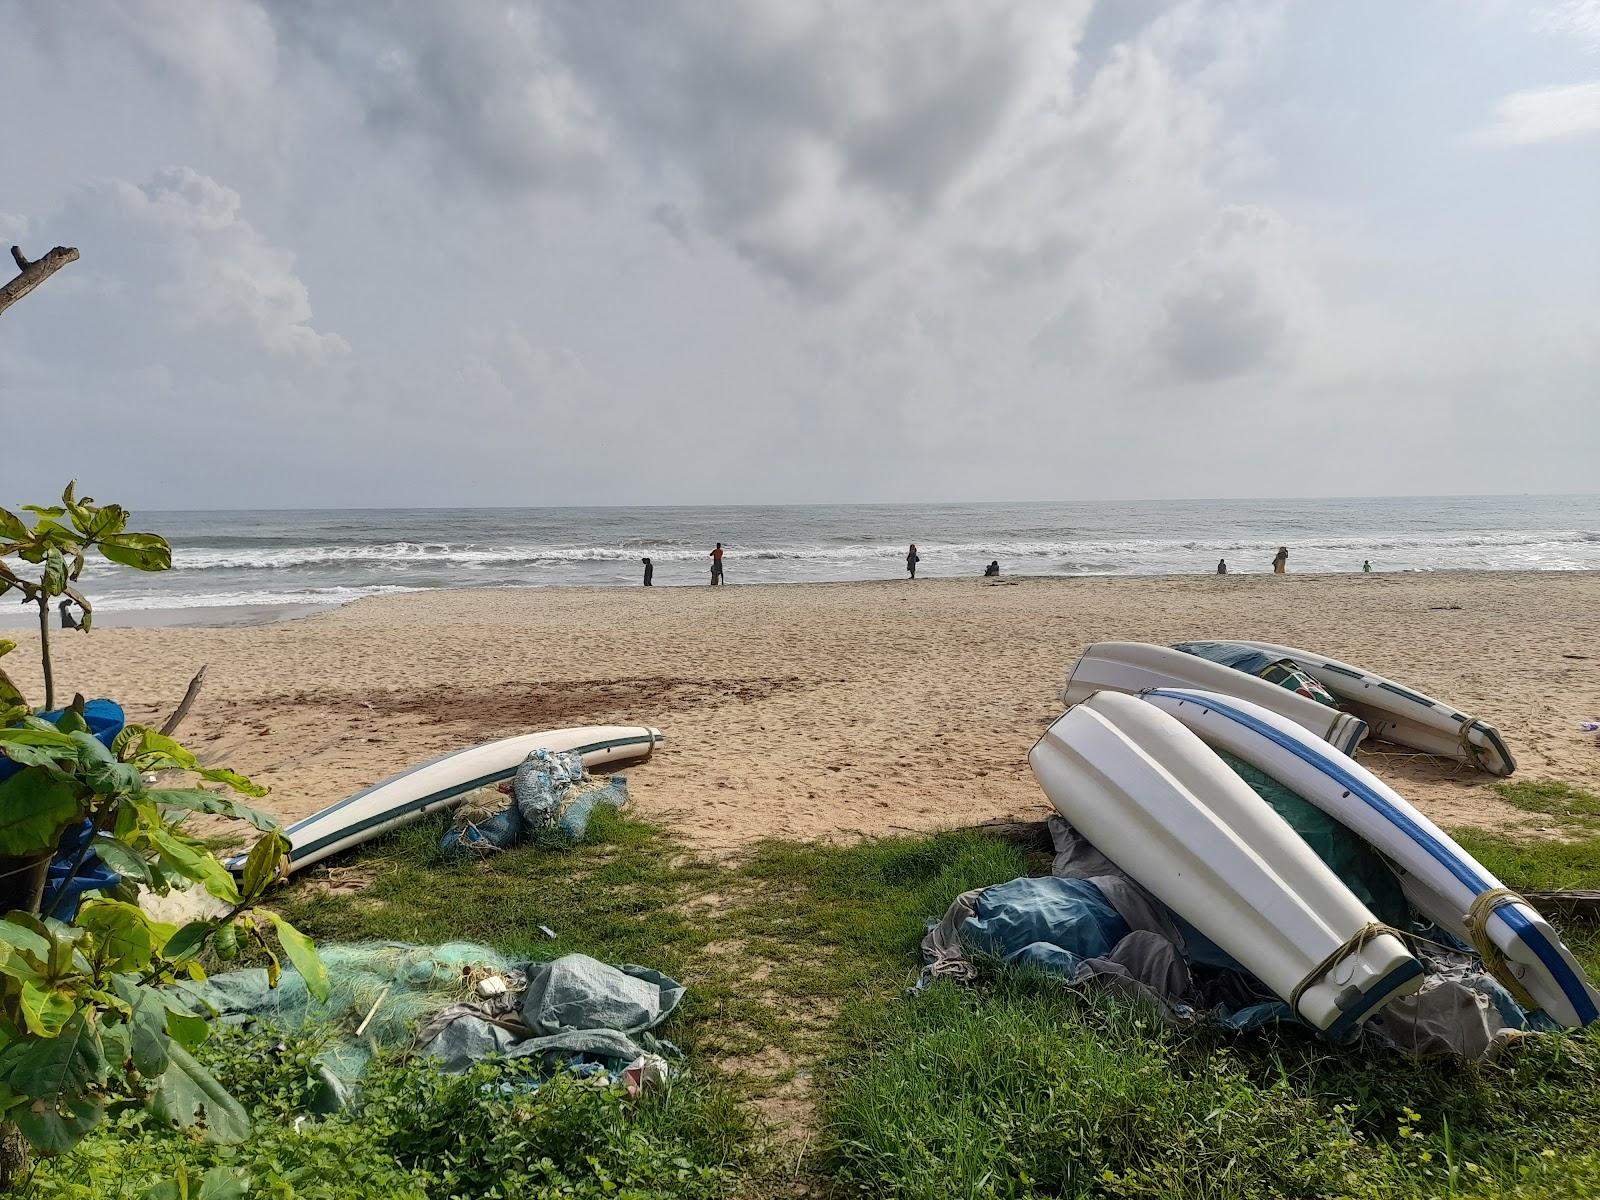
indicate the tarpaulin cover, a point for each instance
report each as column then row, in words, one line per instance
column 1091, row 924
column 1281, row 671
column 66, row 873
column 550, row 793
column 574, row 1011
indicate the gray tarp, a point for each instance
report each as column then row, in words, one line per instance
column 1139, row 948
column 574, row 1010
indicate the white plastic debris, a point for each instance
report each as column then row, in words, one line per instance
column 493, row 985
column 644, row 1074
column 548, row 932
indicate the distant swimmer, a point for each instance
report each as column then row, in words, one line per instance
column 1222, row 566
column 716, row 565
column 68, row 621
column 992, row 569
column 1366, row 567
column 912, row 559
column 1280, row 564
column 649, row 571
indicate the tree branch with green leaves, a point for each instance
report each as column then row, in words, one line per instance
column 90, row 1014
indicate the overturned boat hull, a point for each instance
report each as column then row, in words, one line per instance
column 1161, row 805
column 1135, row 667
column 442, row 782
column 1401, row 715
column 1440, row 878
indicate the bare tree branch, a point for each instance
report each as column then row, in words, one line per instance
column 32, row 274
column 188, row 699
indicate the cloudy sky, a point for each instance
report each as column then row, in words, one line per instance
column 698, row 251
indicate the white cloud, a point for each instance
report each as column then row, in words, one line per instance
column 1578, row 19
column 1548, row 114
column 210, row 266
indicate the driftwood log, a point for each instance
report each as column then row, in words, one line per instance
column 32, row 274
column 179, row 713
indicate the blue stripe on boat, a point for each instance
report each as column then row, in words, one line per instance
column 1575, row 990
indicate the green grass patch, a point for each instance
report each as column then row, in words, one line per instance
column 1569, row 805
column 798, row 957
column 420, row 1134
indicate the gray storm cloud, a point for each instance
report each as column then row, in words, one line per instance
column 432, row 253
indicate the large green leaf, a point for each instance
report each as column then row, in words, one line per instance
column 200, row 800
column 187, row 941
column 125, row 938
column 194, row 863
column 189, row 1028
column 36, row 733
column 264, row 864
column 12, row 527
column 55, row 571
column 301, row 953
column 31, row 754
column 219, row 1183
column 45, row 1009
column 20, row 937
column 188, row 1095
column 123, row 859
column 35, row 806
column 142, row 551
column 147, row 1026
column 59, row 1075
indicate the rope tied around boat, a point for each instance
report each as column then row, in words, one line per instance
column 1494, row 959
column 1351, row 945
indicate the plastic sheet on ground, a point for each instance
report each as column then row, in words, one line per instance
column 75, row 872
column 574, row 1012
column 1095, row 927
column 551, row 792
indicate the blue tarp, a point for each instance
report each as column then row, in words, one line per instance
column 105, row 719
column 550, row 793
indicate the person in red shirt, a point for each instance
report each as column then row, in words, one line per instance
column 716, row 565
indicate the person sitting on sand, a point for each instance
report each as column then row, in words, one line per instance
column 68, row 621
column 912, row 559
column 649, row 570
column 992, row 569
column 1222, row 566
column 1280, row 563
column 716, row 565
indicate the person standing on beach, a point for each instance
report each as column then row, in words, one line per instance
column 649, row 570
column 1280, row 564
column 1222, row 566
column 912, row 559
column 1366, row 566
column 716, row 565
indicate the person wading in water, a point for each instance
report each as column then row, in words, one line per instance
column 1280, row 564
column 716, row 565
column 912, row 559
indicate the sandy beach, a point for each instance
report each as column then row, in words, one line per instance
column 829, row 710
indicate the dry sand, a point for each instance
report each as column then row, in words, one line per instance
column 830, row 710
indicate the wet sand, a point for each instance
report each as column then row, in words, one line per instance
column 829, row 710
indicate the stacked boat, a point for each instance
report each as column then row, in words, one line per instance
column 1148, row 765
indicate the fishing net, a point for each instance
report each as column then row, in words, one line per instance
column 392, row 990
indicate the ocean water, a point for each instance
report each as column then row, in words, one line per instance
column 331, row 556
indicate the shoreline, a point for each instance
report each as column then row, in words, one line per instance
column 235, row 615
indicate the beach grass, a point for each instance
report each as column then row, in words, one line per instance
column 812, row 1071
